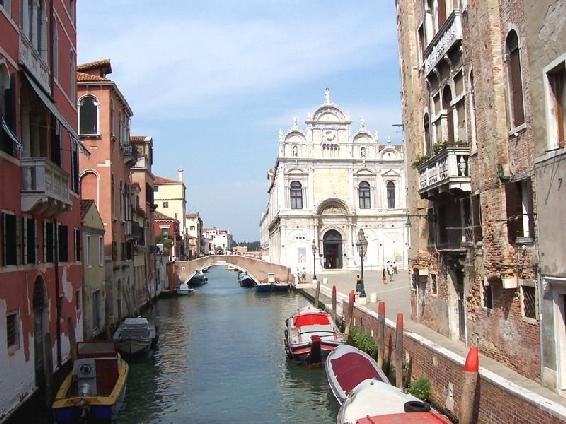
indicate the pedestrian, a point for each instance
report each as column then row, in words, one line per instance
column 384, row 278
column 358, row 284
column 395, row 267
column 390, row 271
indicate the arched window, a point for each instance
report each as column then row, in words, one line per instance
column 428, row 139
column 296, row 195
column 364, row 194
column 441, row 13
column 514, row 77
column 390, row 194
column 88, row 115
column 447, row 105
column 472, row 96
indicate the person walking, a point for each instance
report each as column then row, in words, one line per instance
column 390, row 271
column 358, row 284
column 384, row 277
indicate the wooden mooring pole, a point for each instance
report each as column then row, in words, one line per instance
column 317, row 294
column 334, row 304
column 399, row 351
column 380, row 333
column 351, row 300
column 470, row 381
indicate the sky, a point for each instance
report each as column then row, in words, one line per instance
column 213, row 81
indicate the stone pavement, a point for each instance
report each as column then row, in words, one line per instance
column 396, row 295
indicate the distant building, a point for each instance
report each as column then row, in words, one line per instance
column 166, row 231
column 220, row 240
column 194, row 231
column 327, row 185
column 240, row 250
column 94, row 288
column 170, row 199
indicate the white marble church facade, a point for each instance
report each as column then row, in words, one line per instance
column 327, row 184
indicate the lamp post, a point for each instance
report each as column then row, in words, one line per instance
column 362, row 245
column 313, row 260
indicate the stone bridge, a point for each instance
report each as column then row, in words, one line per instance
column 257, row 268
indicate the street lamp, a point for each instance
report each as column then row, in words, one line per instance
column 362, row 245
column 313, row 260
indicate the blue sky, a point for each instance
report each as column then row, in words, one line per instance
column 213, row 81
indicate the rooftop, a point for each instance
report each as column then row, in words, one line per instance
column 158, row 216
column 85, row 206
column 162, row 180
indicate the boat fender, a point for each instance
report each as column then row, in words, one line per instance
column 416, row 406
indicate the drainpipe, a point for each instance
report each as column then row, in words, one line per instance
column 540, row 306
column 57, row 292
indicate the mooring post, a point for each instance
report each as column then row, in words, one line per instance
column 334, row 304
column 399, row 351
column 317, row 294
column 351, row 300
column 471, row 370
column 380, row 333
column 48, row 369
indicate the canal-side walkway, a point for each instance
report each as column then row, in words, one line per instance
column 396, row 297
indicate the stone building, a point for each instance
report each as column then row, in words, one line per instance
column 104, row 126
column 470, row 115
column 326, row 185
column 94, row 285
column 41, row 313
column 194, row 231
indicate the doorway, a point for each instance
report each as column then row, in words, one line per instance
column 39, row 321
column 332, row 245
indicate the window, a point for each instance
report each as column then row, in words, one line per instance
column 112, row 119
column 54, row 48
column 165, row 232
column 100, row 251
column 29, row 240
column 96, row 309
column 364, row 195
column 472, row 97
column 476, row 218
column 12, row 331
column 87, row 251
column 433, row 285
column 156, row 188
column 40, row 25
column 10, row 239
column 7, row 110
column 515, row 79
column 72, row 9
column 77, row 238
column 441, row 12
column 72, row 77
column 519, row 202
column 528, row 297
column 487, row 295
column 421, row 41
column 63, row 241
column 390, row 194
column 449, row 109
column 75, row 178
column 88, row 115
column 296, row 195
column 557, row 125
column 428, row 139
column 192, row 227
column 5, row 4
column 165, row 205
column 49, row 242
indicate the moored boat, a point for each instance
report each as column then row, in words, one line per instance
column 135, row 335
column 245, row 279
column 94, row 390
column 347, row 367
column 310, row 335
column 198, row 279
column 185, row 290
column 373, row 401
column 271, row 287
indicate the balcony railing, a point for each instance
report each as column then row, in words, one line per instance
column 442, row 42
column 129, row 154
column 45, row 187
column 127, row 228
column 34, row 63
column 446, row 171
column 455, row 239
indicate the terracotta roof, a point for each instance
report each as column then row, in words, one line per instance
column 97, row 64
column 162, row 180
column 138, row 138
column 82, row 77
column 158, row 216
column 85, row 206
column 192, row 215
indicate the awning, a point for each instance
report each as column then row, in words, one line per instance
column 11, row 135
column 53, row 109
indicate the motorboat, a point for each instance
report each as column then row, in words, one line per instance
column 185, row 290
column 95, row 388
column 374, row 401
column 245, row 279
column 135, row 335
column 272, row 284
column 347, row 367
column 205, row 269
column 198, row 279
column 311, row 334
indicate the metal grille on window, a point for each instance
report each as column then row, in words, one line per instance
column 296, row 195
column 529, row 302
column 364, row 195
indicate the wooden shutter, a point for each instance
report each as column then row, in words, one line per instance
column 516, row 88
column 514, row 211
column 441, row 12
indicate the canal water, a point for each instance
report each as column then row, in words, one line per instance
column 221, row 359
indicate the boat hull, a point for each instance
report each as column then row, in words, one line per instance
column 267, row 288
column 134, row 347
column 247, row 282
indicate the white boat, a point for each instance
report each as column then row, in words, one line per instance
column 347, row 367
column 310, row 335
column 135, row 335
column 374, row 401
column 185, row 290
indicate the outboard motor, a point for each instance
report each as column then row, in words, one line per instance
column 315, row 356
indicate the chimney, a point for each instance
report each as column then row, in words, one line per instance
column 180, row 173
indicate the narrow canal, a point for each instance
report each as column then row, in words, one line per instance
column 221, row 359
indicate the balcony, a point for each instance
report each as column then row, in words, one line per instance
column 45, row 187
column 129, row 155
column 446, row 171
column 455, row 239
column 443, row 41
column 31, row 59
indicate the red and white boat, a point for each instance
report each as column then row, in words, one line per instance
column 347, row 367
column 377, row 402
column 311, row 334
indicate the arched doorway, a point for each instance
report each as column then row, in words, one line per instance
column 332, row 244
column 39, row 324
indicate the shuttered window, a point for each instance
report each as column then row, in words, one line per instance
column 557, row 81
column 30, row 240
column 49, row 242
column 63, row 243
column 515, row 79
column 77, row 238
column 10, row 239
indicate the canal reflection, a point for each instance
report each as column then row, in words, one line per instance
column 221, row 359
